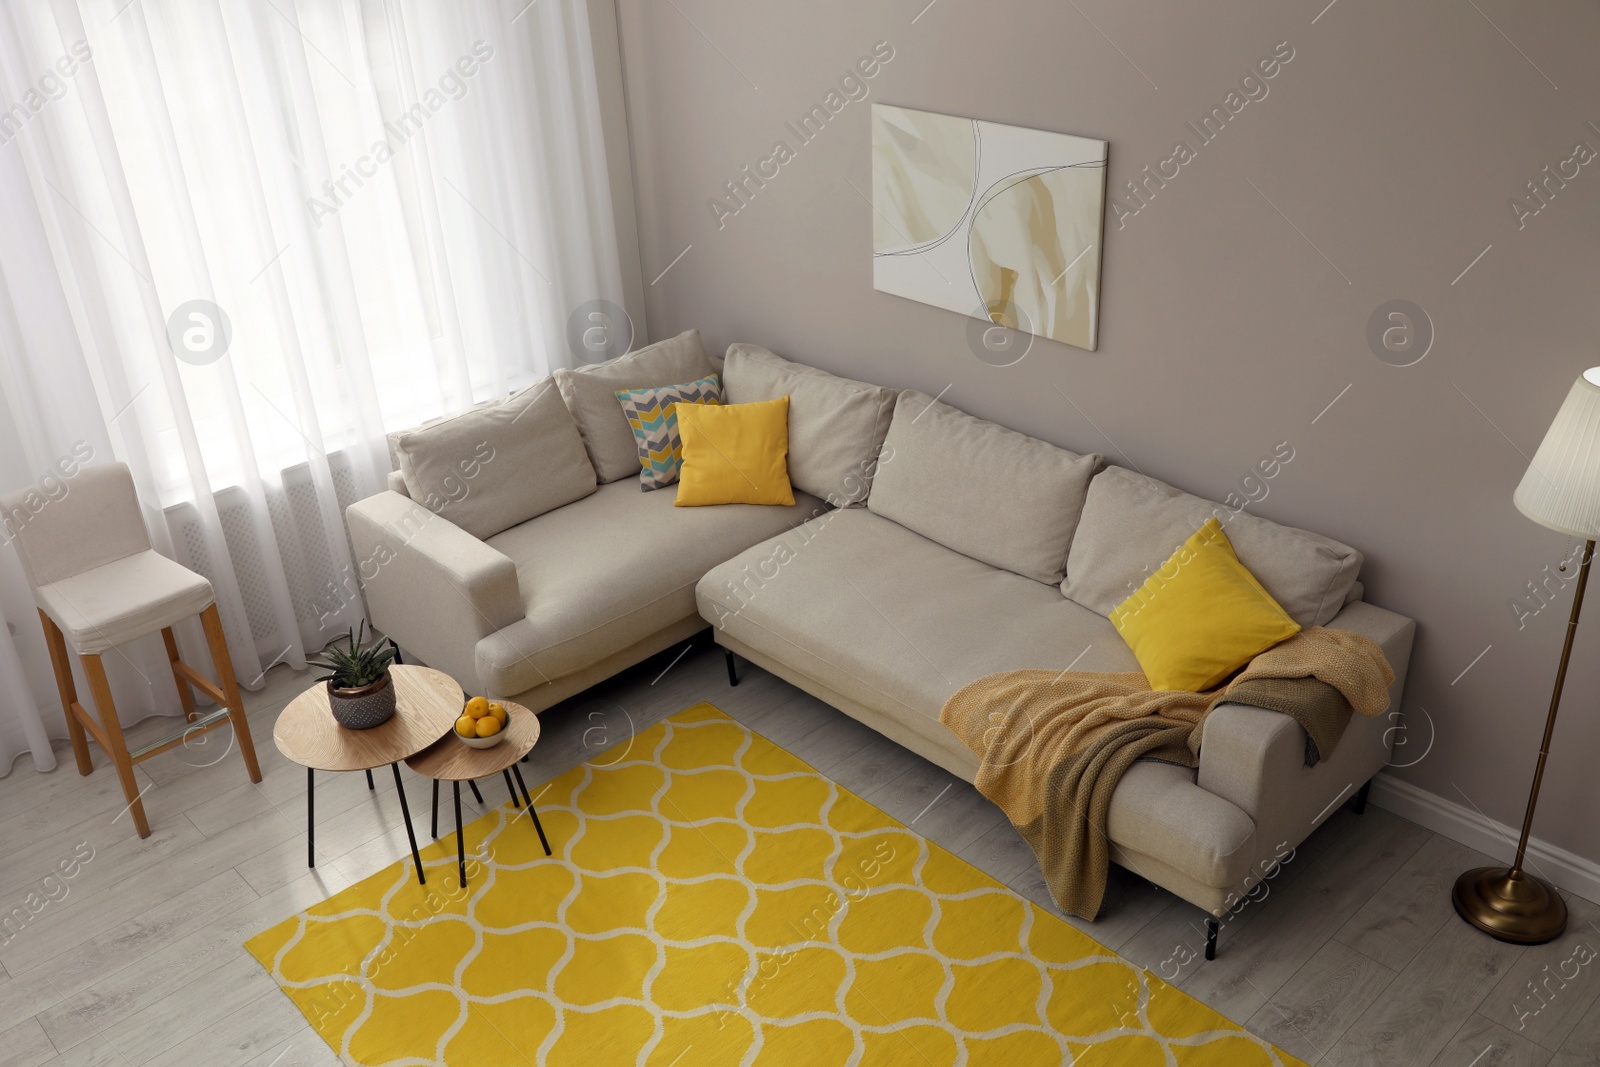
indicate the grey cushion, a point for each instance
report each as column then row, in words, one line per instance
column 896, row 621
column 611, row 569
column 836, row 425
column 991, row 493
column 393, row 437
column 499, row 464
column 591, row 396
column 1132, row 523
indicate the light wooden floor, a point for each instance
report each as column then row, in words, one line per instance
column 1353, row 958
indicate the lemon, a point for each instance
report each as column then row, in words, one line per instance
column 488, row 726
column 467, row 726
column 498, row 711
column 477, row 707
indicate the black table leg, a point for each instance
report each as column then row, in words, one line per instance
column 516, row 801
column 526, row 796
column 461, row 839
column 405, row 810
column 475, row 794
column 436, row 809
column 311, row 822
column 369, row 780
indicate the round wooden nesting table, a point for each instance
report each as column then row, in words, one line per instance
column 450, row 760
column 427, row 703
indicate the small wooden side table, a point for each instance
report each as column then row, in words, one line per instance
column 448, row 760
column 427, row 704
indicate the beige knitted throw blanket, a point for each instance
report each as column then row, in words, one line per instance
column 1054, row 744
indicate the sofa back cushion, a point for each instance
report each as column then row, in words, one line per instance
column 1132, row 523
column 836, row 425
column 1004, row 498
column 591, row 396
column 499, row 464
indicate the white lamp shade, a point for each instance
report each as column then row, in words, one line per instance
column 1561, row 489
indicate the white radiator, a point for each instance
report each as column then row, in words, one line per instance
column 315, row 586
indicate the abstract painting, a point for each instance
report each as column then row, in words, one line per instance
column 997, row 222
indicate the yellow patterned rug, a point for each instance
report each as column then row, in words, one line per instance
column 714, row 900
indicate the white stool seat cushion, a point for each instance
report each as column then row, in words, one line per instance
column 122, row 600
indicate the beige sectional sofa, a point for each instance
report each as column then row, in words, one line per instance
column 542, row 607
column 926, row 549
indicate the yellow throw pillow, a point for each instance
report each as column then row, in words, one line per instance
column 734, row 454
column 1201, row 616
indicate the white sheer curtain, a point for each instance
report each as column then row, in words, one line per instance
column 348, row 216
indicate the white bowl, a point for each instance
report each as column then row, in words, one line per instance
column 482, row 742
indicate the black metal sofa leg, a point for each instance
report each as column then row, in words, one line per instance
column 1212, row 926
column 733, row 668
column 1360, row 802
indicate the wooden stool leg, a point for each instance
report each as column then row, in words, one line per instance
column 68, row 690
column 218, row 644
column 185, row 694
column 117, row 748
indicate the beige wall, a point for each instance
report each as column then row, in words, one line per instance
column 1392, row 142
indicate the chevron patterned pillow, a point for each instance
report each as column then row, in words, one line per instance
column 653, row 416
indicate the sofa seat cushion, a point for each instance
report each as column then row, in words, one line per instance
column 893, row 621
column 611, row 569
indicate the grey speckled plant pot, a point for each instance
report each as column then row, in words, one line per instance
column 362, row 709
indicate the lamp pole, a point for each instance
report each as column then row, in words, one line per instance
column 1507, row 903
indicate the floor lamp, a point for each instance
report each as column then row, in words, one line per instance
column 1561, row 490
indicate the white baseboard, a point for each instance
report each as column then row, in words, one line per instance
column 1566, row 869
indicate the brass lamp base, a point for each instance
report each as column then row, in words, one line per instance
column 1510, row 905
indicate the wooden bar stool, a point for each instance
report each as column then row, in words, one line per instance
column 99, row 584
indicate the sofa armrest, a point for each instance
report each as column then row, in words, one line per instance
column 429, row 584
column 1256, row 758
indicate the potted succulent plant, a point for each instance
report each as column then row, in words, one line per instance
column 360, row 692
